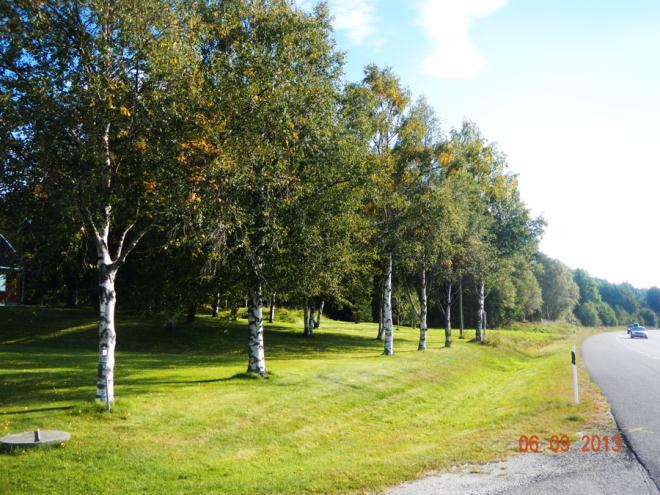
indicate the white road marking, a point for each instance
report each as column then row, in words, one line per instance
column 624, row 337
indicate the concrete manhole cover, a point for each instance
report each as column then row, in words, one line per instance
column 36, row 438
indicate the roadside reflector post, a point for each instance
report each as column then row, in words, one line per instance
column 576, row 392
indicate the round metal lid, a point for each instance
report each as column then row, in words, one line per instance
column 36, row 438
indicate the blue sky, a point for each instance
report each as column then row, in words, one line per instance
column 570, row 90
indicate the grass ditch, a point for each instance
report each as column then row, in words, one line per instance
column 335, row 416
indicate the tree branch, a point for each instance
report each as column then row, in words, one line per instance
column 122, row 257
column 120, row 244
column 100, row 245
column 129, row 227
column 91, row 222
column 417, row 312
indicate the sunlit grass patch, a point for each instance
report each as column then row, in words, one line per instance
column 335, row 414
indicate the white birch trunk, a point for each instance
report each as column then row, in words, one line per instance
column 317, row 323
column 216, row 305
column 423, row 308
column 105, row 384
column 381, row 308
column 107, row 270
column 310, row 321
column 307, row 319
column 387, row 310
column 485, row 327
column 305, row 312
column 460, row 307
column 271, row 317
column 256, row 355
column 448, row 316
column 481, row 311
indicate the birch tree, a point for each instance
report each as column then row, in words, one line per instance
column 499, row 225
column 327, row 237
column 98, row 91
column 439, row 202
column 272, row 74
column 388, row 102
column 426, row 217
column 560, row 293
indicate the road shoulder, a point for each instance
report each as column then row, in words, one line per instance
column 576, row 472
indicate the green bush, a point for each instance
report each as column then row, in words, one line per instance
column 362, row 311
column 587, row 313
column 648, row 317
column 607, row 315
column 623, row 317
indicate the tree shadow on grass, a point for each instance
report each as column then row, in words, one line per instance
column 32, row 376
column 36, row 410
column 234, row 377
column 75, row 378
column 52, row 358
column 227, row 347
column 76, row 329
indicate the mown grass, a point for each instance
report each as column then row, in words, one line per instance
column 335, row 416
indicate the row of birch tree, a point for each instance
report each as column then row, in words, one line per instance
column 223, row 136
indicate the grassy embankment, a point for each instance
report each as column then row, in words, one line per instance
column 334, row 416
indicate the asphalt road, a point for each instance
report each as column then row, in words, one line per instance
column 628, row 373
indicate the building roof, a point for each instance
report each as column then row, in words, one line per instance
column 8, row 258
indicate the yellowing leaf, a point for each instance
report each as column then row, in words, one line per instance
column 39, row 192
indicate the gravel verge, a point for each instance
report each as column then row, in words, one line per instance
column 575, row 472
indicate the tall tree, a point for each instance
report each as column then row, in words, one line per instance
column 96, row 92
column 560, row 292
column 621, row 296
column 653, row 299
column 588, row 287
column 500, row 226
column 327, row 237
column 427, row 202
column 529, row 297
column 272, row 83
column 388, row 103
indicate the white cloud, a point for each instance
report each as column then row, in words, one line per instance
column 355, row 17
column 447, row 24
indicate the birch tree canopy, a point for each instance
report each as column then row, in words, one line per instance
column 96, row 95
column 272, row 82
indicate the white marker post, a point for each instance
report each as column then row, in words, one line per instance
column 576, row 392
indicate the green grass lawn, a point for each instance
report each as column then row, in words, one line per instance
column 334, row 416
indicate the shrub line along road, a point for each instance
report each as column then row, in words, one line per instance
column 628, row 374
